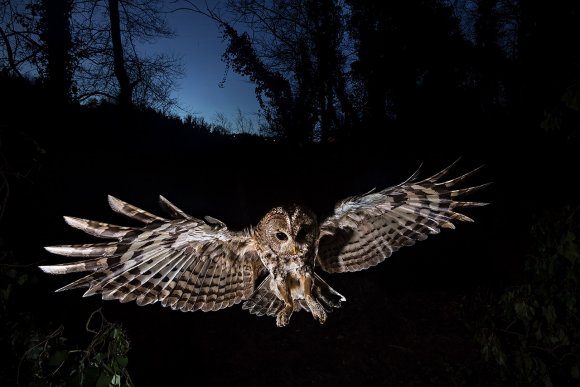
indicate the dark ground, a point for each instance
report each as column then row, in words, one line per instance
column 408, row 322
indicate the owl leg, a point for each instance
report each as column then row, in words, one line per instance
column 315, row 308
column 283, row 317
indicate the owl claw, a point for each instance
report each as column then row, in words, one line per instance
column 318, row 312
column 283, row 316
column 316, row 309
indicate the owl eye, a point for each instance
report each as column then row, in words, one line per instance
column 281, row 236
column 302, row 233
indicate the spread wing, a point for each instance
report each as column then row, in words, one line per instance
column 184, row 263
column 365, row 230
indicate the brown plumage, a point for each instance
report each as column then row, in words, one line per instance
column 191, row 264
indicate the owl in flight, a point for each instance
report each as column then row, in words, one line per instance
column 192, row 264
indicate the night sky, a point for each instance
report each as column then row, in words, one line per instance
column 492, row 303
column 198, row 42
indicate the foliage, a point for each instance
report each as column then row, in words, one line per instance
column 293, row 52
column 12, row 320
column 53, row 358
column 564, row 117
column 532, row 332
column 103, row 363
column 242, row 56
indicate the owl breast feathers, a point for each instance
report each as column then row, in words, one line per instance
column 192, row 264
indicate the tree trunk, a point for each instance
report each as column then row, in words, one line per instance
column 58, row 42
column 125, row 86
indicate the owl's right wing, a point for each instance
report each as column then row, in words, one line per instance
column 184, row 263
column 364, row 230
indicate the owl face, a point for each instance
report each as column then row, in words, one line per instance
column 288, row 231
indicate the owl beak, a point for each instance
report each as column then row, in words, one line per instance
column 293, row 248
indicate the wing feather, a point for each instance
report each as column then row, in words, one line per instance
column 98, row 229
column 207, row 287
column 264, row 300
column 193, row 288
column 159, row 278
column 143, row 277
column 185, row 263
column 132, row 212
column 365, row 230
column 172, row 209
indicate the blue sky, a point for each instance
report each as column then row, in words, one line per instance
column 199, row 44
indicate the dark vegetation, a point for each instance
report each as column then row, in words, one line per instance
column 354, row 95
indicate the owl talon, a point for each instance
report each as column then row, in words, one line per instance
column 316, row 309
column 283, row 317
column 318, row 312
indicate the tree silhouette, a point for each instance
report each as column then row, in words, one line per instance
column 125, row 85
column 409, row 55
column 295, row 55
column 55, row 34
column 39, row 35
column 89, row 49
column 270, row 84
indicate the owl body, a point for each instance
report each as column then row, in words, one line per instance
column 190, row 264
column 287, row 238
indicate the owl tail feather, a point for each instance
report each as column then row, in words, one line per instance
column 327, row 296
column 265, row 302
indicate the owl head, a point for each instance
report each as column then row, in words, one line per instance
column 288, row 231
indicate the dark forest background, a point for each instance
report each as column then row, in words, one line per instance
column 353, row 95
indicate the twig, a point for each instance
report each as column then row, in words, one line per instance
column 100, row 311
column 54, row 334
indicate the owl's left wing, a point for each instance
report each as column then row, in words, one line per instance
column 365, row 230
column 184, row 263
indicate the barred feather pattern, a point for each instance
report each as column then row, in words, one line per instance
column 184, row 263
column 190, row 264
column 365, row 230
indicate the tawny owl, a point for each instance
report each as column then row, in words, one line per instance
column 192, row 264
